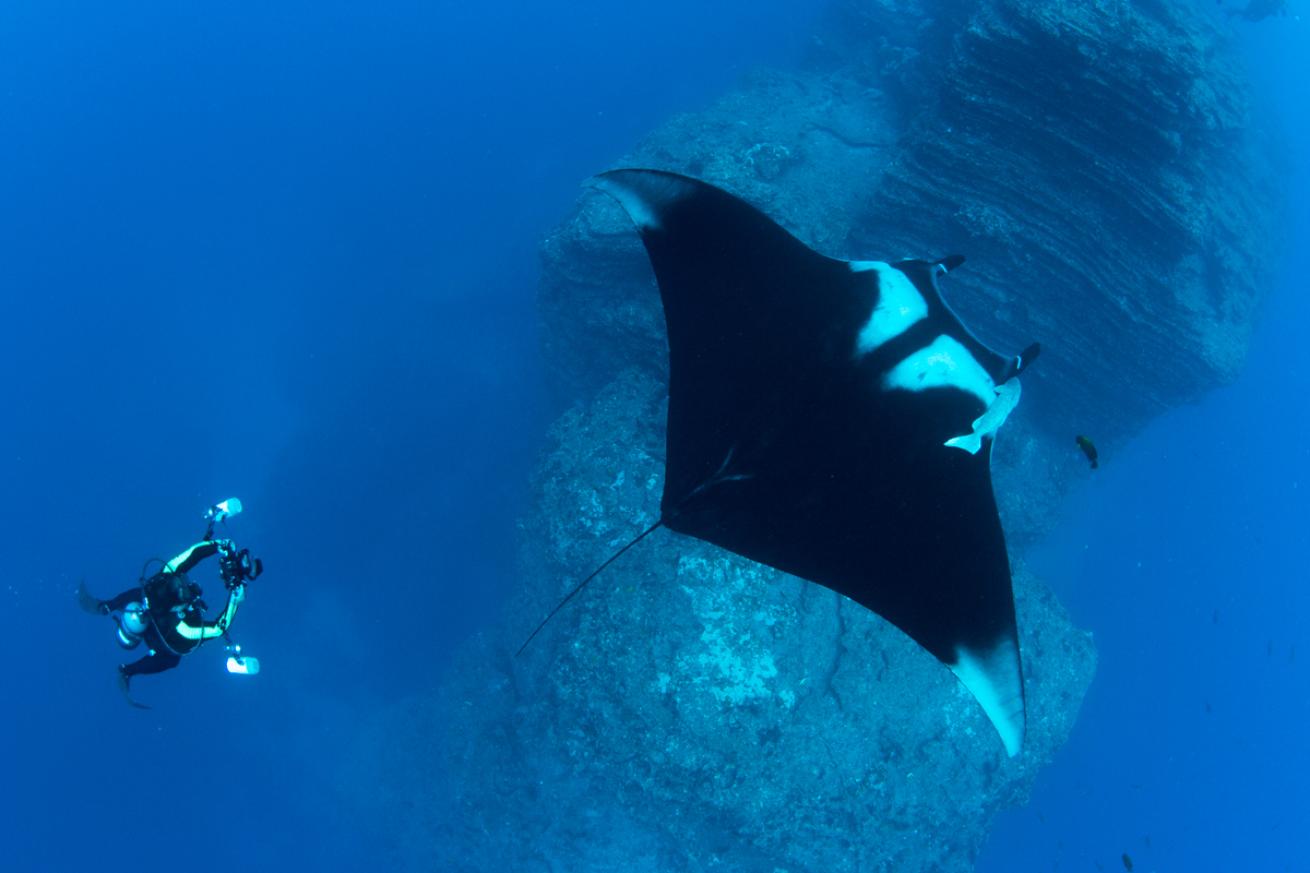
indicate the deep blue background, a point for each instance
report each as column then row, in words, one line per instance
column 288, row 254
column 284, row 251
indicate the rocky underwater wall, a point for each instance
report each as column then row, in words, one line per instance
column 1095, row 161
column 695, row 711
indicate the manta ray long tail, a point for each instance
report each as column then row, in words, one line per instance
column 594, row 573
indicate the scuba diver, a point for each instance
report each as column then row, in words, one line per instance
column 166, row 610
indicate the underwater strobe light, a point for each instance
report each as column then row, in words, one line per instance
column 242, row 665
column 222, row 510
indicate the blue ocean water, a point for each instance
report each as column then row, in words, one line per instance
column 285, row 252
column 289, row 254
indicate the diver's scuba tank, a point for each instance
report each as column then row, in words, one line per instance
column 131, row 625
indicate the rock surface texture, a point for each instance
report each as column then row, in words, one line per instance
column 1093, row 159
column 692, row 711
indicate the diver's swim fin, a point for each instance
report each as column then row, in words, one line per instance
column 88, row 602
column 124, row 685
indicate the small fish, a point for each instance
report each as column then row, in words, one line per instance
column 1128, row 863
column 1089, row 449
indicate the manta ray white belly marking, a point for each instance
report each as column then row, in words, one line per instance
column 994, row 680
column 944, row 363
column 900, row 306
column 987, row 424
column 646, row 207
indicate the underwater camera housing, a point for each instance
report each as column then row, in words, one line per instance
column 239, row 567
column 236, row 567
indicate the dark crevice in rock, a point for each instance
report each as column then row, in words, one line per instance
column 837, row 651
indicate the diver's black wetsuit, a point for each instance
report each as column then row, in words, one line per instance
column 173, row 600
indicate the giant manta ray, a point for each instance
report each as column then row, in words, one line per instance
column 834, row 420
